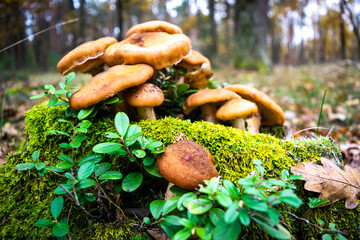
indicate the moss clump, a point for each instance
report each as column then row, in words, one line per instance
column 25, row 197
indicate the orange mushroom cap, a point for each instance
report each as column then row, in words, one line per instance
column 271, row 113
column 85, row 57
column 158, row 49
column 236, row 108
column 154, row 26
column 145, row 95
column 110, row 82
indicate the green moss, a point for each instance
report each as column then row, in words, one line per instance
column 25, row 197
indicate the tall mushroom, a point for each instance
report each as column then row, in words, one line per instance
column 236, row 111
column 145, row 97
column 207, row 100
column 269, row 112
column 186, row 164
column 109, row 83
column 154, row 26
column 86, row 58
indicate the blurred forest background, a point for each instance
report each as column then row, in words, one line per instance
column 291, row 49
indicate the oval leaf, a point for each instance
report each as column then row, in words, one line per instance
column 156, row 208
column 24, row 166
column 110, row 175
column 121, row 123
column 60, row 229
column 107, row 147
column 132, row 181
column 95, row 158
column 86, row 183
column 86, row 170
column 44, row 223
column 56, row 206
column 83, row 113
column 101, row 168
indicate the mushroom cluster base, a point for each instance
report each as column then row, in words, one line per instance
column 25, row 197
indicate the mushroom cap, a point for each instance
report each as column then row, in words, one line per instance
column 85, row 57
column 271, row 113
column 186, row 164
column 158, row 49
column 236, row 108
column 193, row 61
column 110, row 82
column 205, row 96
column 145, row 95
column 154, row 26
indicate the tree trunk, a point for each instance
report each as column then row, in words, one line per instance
column 355, row 28
column 82, row 21
column 120, row 17
column 213, row 45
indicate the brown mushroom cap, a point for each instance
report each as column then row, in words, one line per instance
column 205, row 96
column 158, row 49
column 186, row 164
column 236, row 108
column 110, row 82
column 154, row 26
column 85, row 57
column 145, row 95
column 271, row 113
column 193, row 61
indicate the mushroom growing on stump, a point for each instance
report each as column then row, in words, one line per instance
column 145, row 97
column 154, row 26
column 109, row 83
column 198, row 69
column 236, row 111
column 269, row 112
column 158, row 49
column 186, row 164
column 86, row 58
column 207, row 100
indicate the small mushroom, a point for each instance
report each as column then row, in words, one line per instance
column 186, row 164
column 198, row 69
column 86, row 58
column 109, row 83
column 158, row 49
column 154, row 26
column 207, row 100
column 145, row 97
column 269, row 112
column 236, row 111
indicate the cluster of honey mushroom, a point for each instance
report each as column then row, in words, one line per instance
column 132, row 65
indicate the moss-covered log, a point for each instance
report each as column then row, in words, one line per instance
column 25, row 197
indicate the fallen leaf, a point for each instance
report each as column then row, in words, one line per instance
column 333, row 183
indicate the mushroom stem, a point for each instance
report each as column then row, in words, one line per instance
column 238, row 123
column 254, row 123
column 168, row 193
column 208, row 112
column 146, row 113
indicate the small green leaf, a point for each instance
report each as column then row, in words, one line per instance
column 69, row 78
column 223, row 199
column 227, row 231
column 86, row 183
column 182, row 234
column 181, row 88
column 147, row 220
column 80, row 138
column 65, row 158
column 53, row 101
column 107, row 147
column 60, row 92
column 139, row 153
column 56, row 207
column 55, row 169
column 55, row 132
column 156, row 208
column 153, row 145
column 215, row 214
column 289, row 197
column 255, row 204
column 199, row 206
column 44, row 223
column 38, row 96
column 62, row 85
column 50, row 88
column 75, row 144
column 121, row 123
column 35, row 155
column 60, row 229
column 132, row 181
column 295, row 177
column 232, row 189
column 148, row 161
column 177, row 190
column 186, row 223
column 101, row 168
column 86, row 170
column 111, row 135
column 110, row 175
column 59, row 190
column 153, row 170
column 64, row 165
column 244, row 217
column 24, row 166
column 170, row 205
column 172, row 220
column 189, row 195
column 89, row 197
column 64, row 145
column 112, row 100
column 95, row 158
column 83, row 113
column 39, row 166
column 232, row 213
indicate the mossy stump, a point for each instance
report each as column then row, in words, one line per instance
column 25, row 197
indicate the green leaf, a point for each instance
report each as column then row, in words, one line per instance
column 172, row 220
column 274, row 215
column 189, row 195
column 232, row 189
column 148, row 161
column 202, row 233
column 153, row 170
column 62, row 85
column 65, row 158
column 59, row 190
column 244, row 217
column 169, row 230
column 56, row 207
column 186, row 223
column 75, row 144
column 139, row 153
column 86, row 170
column 182, row 234
column 111, row 175
column 199, row 206
column 42, row 172
column 156, row 208
column 215, row 214
column 255, row 204
column 85, row 124
column 284, row 175
column 60, row 229
column 276, row 182
column 181, row 88
column 227, row 231
column 111, row 135
column 68, row 175
column 112, row 100
column 326, row 237
column 133, row 132
column 232, row 213
column 38, row 96
column 132, row 181
column 89, row 197
column 55, row 169
column 69, row 78
column 295, row 177
column 35, row 155
column 80, row 138
column 277, row 231
column 39, row 166
column 53, row 101
column 107, row 147
column 24, row 166
column 147, row 220
column 60, row 92
column 170, row 205
column 55, row 132
column 64, row 145
column 177, row 190
column 95, row 158
column 44, row 223
column 83, row 113
column 153, row 145
column 223, row 199
column 250, row 181
column 289, row 197
column 86, row 183
column 121, row 123
column 64, row 165
column 101, row 168
column 340, row 237
column 50, row 88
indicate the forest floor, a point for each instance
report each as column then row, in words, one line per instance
column 298, row 90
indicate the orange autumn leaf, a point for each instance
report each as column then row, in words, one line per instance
column 333, row 183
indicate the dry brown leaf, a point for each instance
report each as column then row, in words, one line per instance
column 332, row 182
